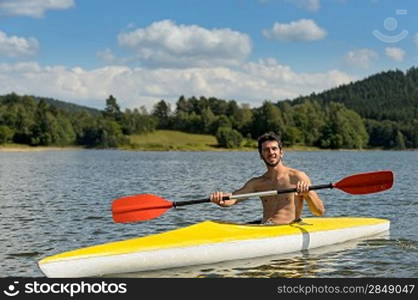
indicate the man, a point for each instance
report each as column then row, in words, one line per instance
column 282, row 208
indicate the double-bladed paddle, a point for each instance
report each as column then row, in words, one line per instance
column 143, row 207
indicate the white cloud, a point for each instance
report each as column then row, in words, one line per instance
column 296, row 31
column 397, row 54
column 362, row 58
column 133, row 87
column 165, row 43
column 32, row 8
column 268, row 74
column 107, row 56
column 14, row 46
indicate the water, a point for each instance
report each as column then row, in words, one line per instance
column 54, row 201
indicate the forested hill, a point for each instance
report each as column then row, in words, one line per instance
column 387, row 102
column 391, row 95
column 71, row 107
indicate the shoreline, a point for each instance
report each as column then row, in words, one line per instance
column 36, row 148
column 25, row 148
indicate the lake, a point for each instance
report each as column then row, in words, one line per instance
column 54, row 201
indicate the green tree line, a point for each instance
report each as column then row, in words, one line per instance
column 329, row 126
column 379, row 111
column 33, row 121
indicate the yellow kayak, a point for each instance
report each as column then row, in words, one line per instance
column 205, row 243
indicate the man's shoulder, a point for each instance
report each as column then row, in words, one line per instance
column 257, row 179
column 297, row 173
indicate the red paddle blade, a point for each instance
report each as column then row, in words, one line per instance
column 139, row 208
column 366, row 183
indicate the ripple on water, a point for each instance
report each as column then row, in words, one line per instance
column 58, row 201
column 24, row 254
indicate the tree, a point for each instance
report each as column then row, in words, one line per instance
column 41, row 130
column 344, row 129
column 228, row 137
column 208, row 120
column 244, row 119
column 137, row 122
column 65, row 132
column 104, row 134
column 6, row 134
column 24, row 121
column 292, row 135
column 162, row 112
column 267, row 118
column 309, row 118
column 381, row 133
column 399, row 141
column 183, row 106
column 112, row 110
column 223, row 121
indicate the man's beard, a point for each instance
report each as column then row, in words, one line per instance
column 270, row 164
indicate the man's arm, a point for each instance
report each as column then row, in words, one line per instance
column 315, row 204
column 216, row 197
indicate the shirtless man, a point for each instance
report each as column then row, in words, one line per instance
column 283, row 208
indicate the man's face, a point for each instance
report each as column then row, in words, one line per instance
column 271, row 153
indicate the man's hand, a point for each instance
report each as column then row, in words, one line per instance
column 217, row 197
column 302, row 188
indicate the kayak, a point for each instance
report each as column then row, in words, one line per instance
column 207, row 242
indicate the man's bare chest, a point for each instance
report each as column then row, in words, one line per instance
column 273, row 184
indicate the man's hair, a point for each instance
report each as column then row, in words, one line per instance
column 269, row 136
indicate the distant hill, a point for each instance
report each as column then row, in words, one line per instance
column 390, row 95
column 387, row 102
column 70, row 107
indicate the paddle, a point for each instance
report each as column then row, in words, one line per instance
column 143, row 207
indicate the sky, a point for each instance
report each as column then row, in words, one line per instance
column 141, row 51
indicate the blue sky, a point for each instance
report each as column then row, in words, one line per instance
column 81, row 51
